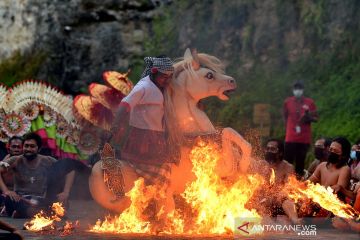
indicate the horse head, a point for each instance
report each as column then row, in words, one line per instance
column 202, row 76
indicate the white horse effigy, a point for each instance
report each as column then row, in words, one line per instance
column 196, row 76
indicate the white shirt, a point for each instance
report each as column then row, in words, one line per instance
column 146, row 105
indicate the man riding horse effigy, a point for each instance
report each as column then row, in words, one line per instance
column 139, row 122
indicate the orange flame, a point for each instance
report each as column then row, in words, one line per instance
column 131, row 219
column 272, row 177
column 324, row 196
column 69, row 227
column 216, row 202
column 41, row 222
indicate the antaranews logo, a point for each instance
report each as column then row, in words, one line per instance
column 255, row 226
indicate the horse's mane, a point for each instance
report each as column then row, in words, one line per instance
column 184, row 64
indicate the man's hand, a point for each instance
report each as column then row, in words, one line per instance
column 337, row 188
column 63, row 196
column 13, row 195
column 4, row 164
column 357, row 187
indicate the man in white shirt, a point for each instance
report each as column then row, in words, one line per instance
column 143, row 110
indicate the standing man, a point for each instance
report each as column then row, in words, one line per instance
column 299, row 113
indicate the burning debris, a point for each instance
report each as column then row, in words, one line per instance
column 43, row 223
column 306, row 191
column 214, row 202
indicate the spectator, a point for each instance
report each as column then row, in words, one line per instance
column 274, row 161
column 31, row 180
column 334, row 173
column 299, row 112
column 321, row 149
column 354, row 161
column 15, row 147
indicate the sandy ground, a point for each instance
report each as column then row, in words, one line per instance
column 87, row 212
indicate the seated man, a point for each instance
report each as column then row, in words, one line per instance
column 15, row 149
column 274, row 152
column 321, row 149
column 355, row 162
column 30, row 180
column 334, row 173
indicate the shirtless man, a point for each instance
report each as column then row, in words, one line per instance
column 15, row 147
column 321, row 149
column 334, row 173
column 274, row 161
column 31, row 180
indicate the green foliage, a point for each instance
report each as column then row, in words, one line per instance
column 20, row 67
column 313, row 16
column 331, row 77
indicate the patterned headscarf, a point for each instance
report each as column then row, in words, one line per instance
column 163, row 64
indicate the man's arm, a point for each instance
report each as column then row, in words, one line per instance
column 312, row 167
column 121, row 120
column 344, row 177
column 13, row 195
column 69, row 180
column 316, row 176
column 343, row 183
column 314, row 116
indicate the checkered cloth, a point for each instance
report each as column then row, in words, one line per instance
column 163, row 64
column 155, row 174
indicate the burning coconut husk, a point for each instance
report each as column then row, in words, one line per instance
column 323, row 196
column 42, row 222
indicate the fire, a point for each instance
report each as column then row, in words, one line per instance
column 216, row 203
column 131, row 219
column 272, row 177
column 319, row 194
column 69, row 227
column 41, row 221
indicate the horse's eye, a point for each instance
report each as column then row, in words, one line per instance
column 209, row 75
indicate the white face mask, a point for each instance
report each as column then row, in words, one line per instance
column 298, row 92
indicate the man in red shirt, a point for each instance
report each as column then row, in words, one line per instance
column 299, row 113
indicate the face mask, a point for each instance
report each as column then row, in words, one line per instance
column 353, row 155
column 319, row 153
column 270, row 157
column 298, row 92
column 333, row 158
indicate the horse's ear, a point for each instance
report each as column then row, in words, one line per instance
column 196, row 61
column 194, row 58
column 187, row 54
